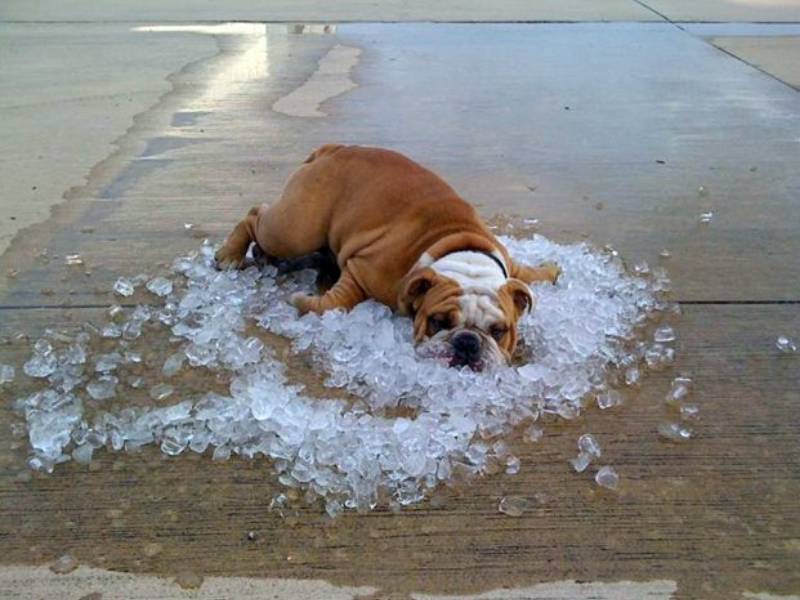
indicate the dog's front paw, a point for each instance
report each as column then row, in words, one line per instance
column 303, row 302
column 225, row 259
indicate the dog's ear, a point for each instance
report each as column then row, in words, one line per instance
column 413, row 289
column 520, row 295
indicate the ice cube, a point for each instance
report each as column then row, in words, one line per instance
column 689, row 412
column 173, row 364
column 513, row 506
column 102, row 388
column 785, row 345
column 161, row 391
column 588, row 444
column 105, row 363
column 512, row 465
column 40, row 365
column 160, row 286
column 632, row 376
column 123, row 287
column 609, row 399
column 664, row 334
column 7, row 374
column 607, row 477
column 674, row 432
column 111, row 330
column 581, row 462
column 63, row 565
column 534, row 433
column 83, row 454
column 679, row 391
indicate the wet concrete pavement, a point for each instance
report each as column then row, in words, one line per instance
column 619, row 133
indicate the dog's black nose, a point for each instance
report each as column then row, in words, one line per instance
column 467, row 346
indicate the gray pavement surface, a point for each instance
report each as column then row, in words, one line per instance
column 618, row 133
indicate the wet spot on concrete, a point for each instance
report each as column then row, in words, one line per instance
column 161, row 145
column 188, row 118
column 130, row 176
column 331, row 79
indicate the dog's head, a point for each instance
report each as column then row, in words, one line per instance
column 465, row 310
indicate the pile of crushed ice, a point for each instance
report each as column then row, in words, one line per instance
column 584, row 339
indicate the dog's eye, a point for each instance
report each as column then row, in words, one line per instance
column 436, row 323
column 498, row 332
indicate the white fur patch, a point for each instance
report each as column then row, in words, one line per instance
column 480, row 278
column 471, row 270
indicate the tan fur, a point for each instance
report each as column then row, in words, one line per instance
column 378, row 212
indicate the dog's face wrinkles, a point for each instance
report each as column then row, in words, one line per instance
column 465, row 309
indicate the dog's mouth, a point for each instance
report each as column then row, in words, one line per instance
column 475, row 365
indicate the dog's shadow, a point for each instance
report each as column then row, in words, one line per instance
column 322, row 261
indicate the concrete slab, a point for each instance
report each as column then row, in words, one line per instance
column 778, row 56
column 751, row 11
column 312, row 11
column 66, row 94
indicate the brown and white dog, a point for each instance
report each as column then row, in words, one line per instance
column 402, row 236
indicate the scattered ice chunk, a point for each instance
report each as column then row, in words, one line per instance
column 674, row 432
column 111, row 330
column 152, row 549
column 534, row 433
column 632, row 376
column 105, row 363
column 173, row 364
column 664, row 334
column 7, row 374
column 63, row 565
column 689, row 412
column 103, row 388
column 73, row 259
column 665, row 253
column 161, row 391
column 189, row 580
column 607, row 477
column 588, row 443
column 83, row 454
column 43, row 362
column 609, row 399
column 512, row 465
column 785, row 345
column 513, row 506
column 333, row 507
column 160, row 286
column 123, row 287
column 188, row 226
column 679, row 391
column 706, row 217
column 581, row 462
column 702, row 191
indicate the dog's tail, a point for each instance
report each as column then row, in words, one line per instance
column 325, row 150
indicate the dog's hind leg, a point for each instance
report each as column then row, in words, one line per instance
column 345, row 294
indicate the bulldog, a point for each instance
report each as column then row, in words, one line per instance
column 400, row 235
